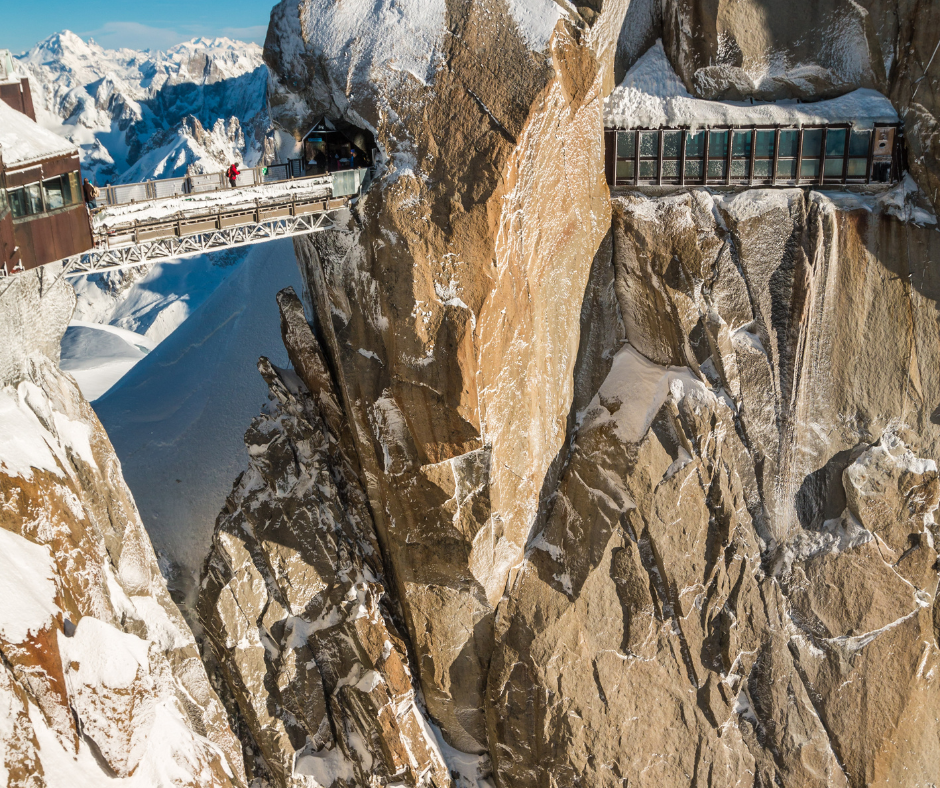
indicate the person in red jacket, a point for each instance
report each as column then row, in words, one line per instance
column 232, row 174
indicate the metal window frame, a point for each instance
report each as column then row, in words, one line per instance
column 751, row 180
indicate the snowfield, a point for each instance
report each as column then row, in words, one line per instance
column 97, row 356
column 178, row 418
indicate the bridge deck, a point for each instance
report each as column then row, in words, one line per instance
column 151, row 230
column 119, row 219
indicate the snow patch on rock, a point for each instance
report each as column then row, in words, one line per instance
column 27, row 587
column 635, row 390
column 652, row 96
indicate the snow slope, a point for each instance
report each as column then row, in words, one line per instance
column 97, row 356
column 139, row 115
column 153, row 300
column 178, row 418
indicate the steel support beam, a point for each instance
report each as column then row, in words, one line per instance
column 172, row 246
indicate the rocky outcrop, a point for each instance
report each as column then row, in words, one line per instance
column 738, row 574
column 293, row 597
column 651, row 479
column 100, row 674
column 450, row 308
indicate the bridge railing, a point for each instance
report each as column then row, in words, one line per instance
column 346, row 182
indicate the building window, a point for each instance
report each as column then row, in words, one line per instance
column 823, row 155
column 49, row 195
column 33, row 198
column 626, row 156
column 52, row 192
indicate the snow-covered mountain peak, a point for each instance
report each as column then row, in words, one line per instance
column 138, row 115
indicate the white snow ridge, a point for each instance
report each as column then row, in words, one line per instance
column 141, row 115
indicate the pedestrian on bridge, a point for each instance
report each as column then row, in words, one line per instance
column 91, row 195
column 232, row 174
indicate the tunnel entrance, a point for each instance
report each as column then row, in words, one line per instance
column 335, row 145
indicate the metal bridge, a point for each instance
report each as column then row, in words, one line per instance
column 158, row 220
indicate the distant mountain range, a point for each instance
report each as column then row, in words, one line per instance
column 156, row 114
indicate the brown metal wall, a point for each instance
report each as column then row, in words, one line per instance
column 45, row 169
column 18, row 96
column 9, row 258
column 52, row 236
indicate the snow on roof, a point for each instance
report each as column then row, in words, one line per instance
column 23, row 141
column 652, row 96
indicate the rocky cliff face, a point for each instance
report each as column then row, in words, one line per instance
column 293, row 597
column 643, row 488
column 728, row 571
column 443, row 308
column 100, row 675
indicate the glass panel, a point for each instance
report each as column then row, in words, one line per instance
column 812, row 143
column 717, row 145
column 672, row 144
column 858, row 168
column 18, row 202
column 741, row 144
column 786, row 169
column 670, row 168
column 716, row 169
column 4, row 204
column 835, row 142
column 626, row 144
column 834, row 168
column 809, row 168
column 762, row 168
column 695, row 145
column 75, row 189
column 740, row 168
column 648, row 169
column 54, row 197
column 765, row 144
column 33, row 198
column 625, row 170
column 788, row 143
column 860, row 143
column 693, row 169
column 649, row 144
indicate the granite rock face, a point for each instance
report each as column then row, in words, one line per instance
column 100, row 674
column 293, row 597
column 645, row 486
column 450, row 308
column 738, row 574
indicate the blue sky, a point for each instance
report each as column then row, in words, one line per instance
column 140, row 24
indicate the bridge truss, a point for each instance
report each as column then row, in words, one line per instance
column 172, row 240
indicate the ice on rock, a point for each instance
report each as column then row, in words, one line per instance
column 635, row 390
column 536, row 19
column 388, row 36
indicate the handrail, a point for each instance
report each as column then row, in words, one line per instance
column 140, row 191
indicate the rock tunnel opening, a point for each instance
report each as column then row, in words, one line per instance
column 336, row 145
